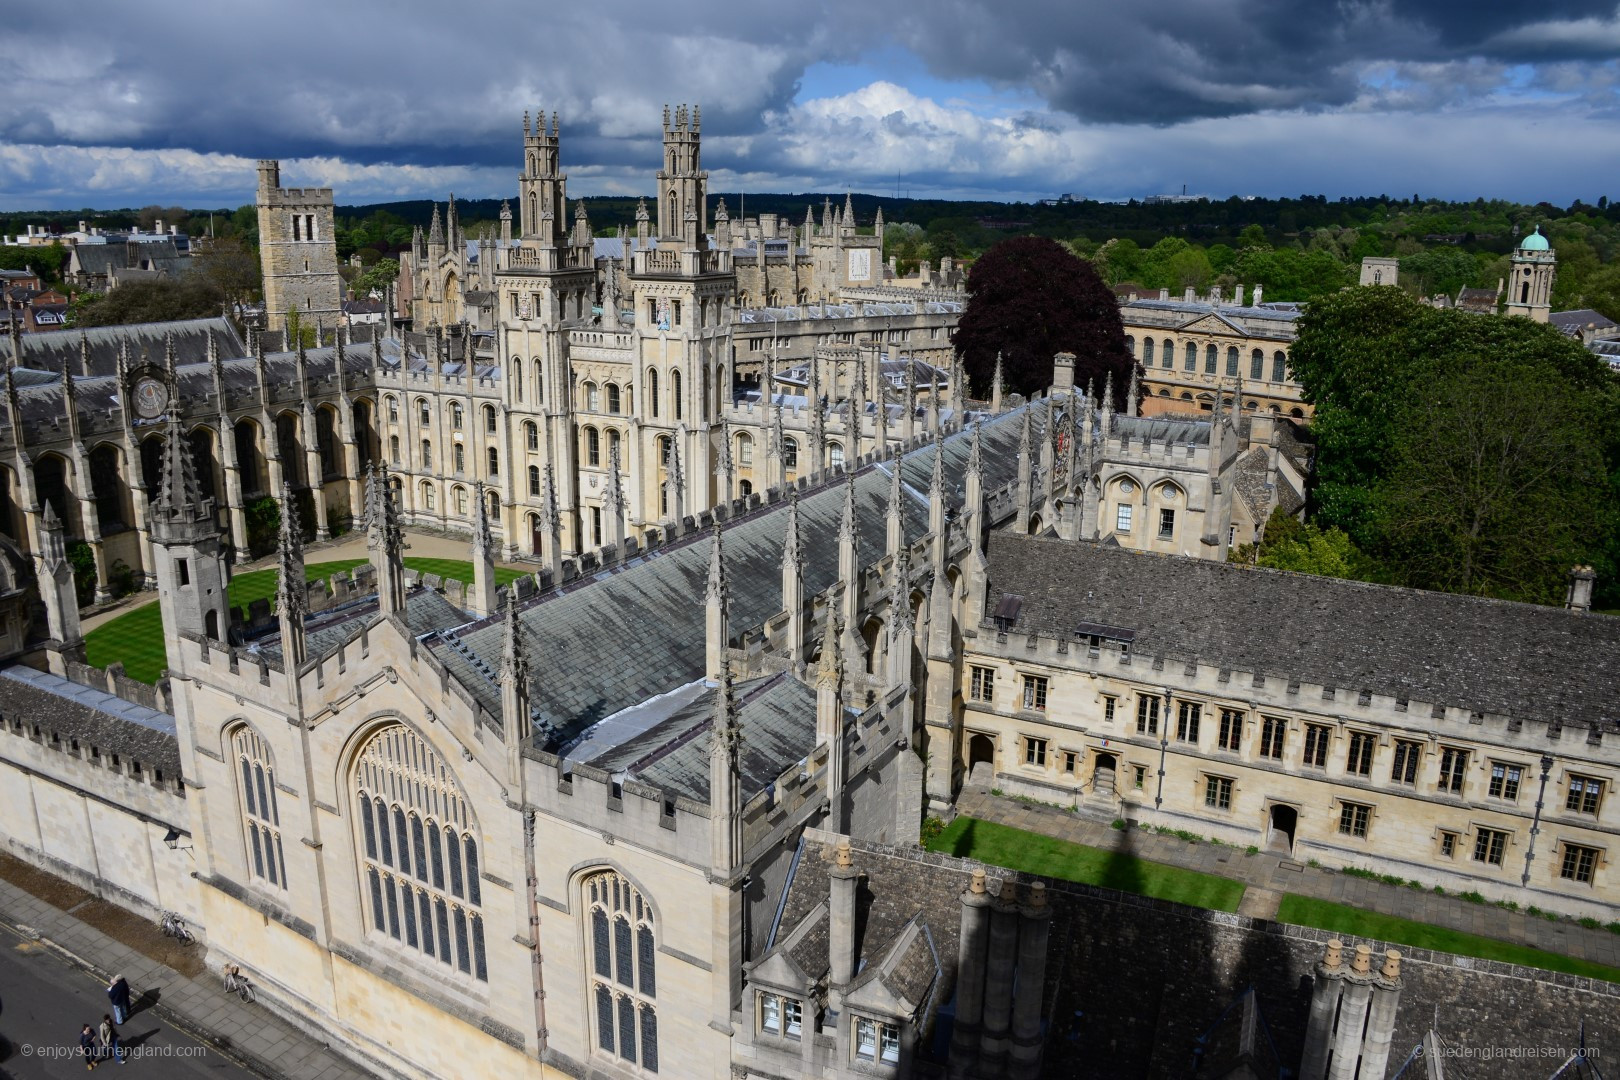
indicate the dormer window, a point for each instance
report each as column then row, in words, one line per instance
column 782, row 1016
column 876, row 1041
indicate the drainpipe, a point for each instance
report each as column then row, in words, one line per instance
column 1535, row 826
column 1164, row 746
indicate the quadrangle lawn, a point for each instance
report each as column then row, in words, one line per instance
column 1016, row 849
column 137, row 639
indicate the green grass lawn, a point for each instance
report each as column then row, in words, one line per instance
column 1342, row 919
column 136, row 637
column 1033, row 853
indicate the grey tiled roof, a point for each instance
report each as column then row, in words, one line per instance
column 51, row 352
column 94, row 717
column 648, row 615
column 426, row 611
column 1461, row 651
column 778, row 720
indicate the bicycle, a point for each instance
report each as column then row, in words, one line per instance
column 238, row 984
column 174, row 926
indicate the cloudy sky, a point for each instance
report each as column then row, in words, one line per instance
column 108, row 103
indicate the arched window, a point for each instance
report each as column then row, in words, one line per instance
column 534, row 480
column 613, row 444
column 393, row 449
column 790, row 453
column 531, row 435
column 1232, row 360
column 675, row 394
column 428, row 497
column 1257, row 364
column 593, row 398
column 1169, row 360
column 427, row 453
column 1130, row 344
column 460, row 494
column 663, row 450
column 459, row 457
column 652, row 390
column 835, row 454
column 539, row 382
column 517, row 374
column 621, row 940
column 260, row 815
column 1190, row 357
column 745, row 488
column 489, row 419
column 494, row 499
column 1210, row 356
column 1279, row 366
column 494, row 461
column 613, row 398
column 393, row 409
column 457, row 415
column 745, row 450
column 1147, row 352
column 424, row 410
column 593, row 448
column 419, row 855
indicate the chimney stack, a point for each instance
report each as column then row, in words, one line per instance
column 1579, row 597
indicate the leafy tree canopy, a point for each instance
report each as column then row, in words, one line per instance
column 191, row 296
column 1030, row 299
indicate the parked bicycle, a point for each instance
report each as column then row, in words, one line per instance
column 174, row 926
column 238, row 984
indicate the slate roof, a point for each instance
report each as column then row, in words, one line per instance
column 1573, row 322
column 50, row 352
column 1461, row 651
column 649, row 613
column 778, row 719
column 1162, row 430
column 92, row 716
column 426, row 611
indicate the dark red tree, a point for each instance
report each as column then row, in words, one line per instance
column 1028, row 300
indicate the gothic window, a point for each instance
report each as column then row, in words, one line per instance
column 593, row 397
column 1147, row 352
column 393, row 449
column 593, row 448
column 652, row 390
column 621, row 943
column 1210, row 353
column 1169, row 360
column 326, row 444
column 1257, row 364
column 1190, row 358
column 427, row 453
column 539, row 383
column 663, row 450
column 835, row 454
column 460, row 494
column 790, row 453
column 490, row 426
column 517, row 373
column 613, row 443
column 427, row 496
column 457, row 415
column 459, row 457
column 534, row 480
column 419, row 853
column 1279, row 366
column 675, row 394
column 494, row 456
column 745, row 488
column 745, row 450
column 612, row 397
column 531, row 435
column 1232, row 360
column 1130, row 344
column 393, row 409
column 107, row 486
column 260, row 815
column 425, row 411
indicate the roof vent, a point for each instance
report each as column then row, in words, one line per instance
column 1007, row 609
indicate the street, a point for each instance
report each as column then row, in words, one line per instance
column 43, row 1003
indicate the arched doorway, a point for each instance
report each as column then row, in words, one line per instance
column 1103, row 771
column 1284, row 821
column 981, row 760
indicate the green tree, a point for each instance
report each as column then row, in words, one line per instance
column 1313, row 550
column 46, row 261
column 230, row 265
column 1439, row 271
column 382, row 274
column 190, row 296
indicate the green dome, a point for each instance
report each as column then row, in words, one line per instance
column 1535, row 242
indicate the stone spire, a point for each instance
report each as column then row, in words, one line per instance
column 896, row 537
column 436, row 230
column 675, row 483
column 849, row 570
column 818, row 420
column 716, row 598
column 908, row 423
column 901, row 621
column 1106, row 405
column 551, row 525
column 936, row 503
column 725, row 469
column 517, row 721
column 725, row 778
column 830, row 718
column 179, row 502
column 849, row 211
column 613, row 501
column 973, row 489
column 778, row 463
column 292, row 592
column 56, row 586
column 793, row 581
column 1025, row 469
column 385, row 541
column 1133, row 395
column 995, row 389
column 482, row 599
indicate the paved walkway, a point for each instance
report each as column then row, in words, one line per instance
column 1268, row 877
column 196, row 1003
column 351, row 545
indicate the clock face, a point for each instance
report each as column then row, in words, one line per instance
column 151, row 397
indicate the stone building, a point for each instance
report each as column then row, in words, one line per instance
column 298, row 250
column 1195, row 347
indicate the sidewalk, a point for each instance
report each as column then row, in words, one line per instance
column 60, row 915
column 1268, row 877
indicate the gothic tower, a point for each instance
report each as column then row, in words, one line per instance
column 1530, row 287
column 191, row 571
column 297, row 251
column 683, row 186
column 542, row 186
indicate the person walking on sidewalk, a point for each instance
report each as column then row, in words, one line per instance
column 87, row 1047
column 109, row 1040
column 118, row 994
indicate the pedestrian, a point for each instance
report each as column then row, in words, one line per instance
column 87, row 1047
column 109, row 1040
column 118, row 994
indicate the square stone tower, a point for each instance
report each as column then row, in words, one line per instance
column 298, row 251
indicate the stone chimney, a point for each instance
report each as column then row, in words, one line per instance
column 1579, row 597
column 844, row 880
column 1215, row 295
column 1063, row 372
column 1352, row 1017
column 1256, row 301
column 1190, row 295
